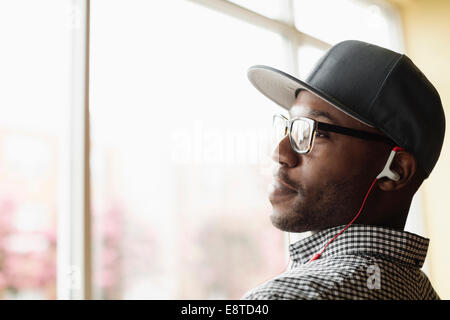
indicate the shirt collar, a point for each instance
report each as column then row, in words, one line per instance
column 401, row 246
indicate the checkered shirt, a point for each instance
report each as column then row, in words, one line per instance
column 364, row 262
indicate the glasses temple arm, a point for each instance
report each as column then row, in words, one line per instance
column 354, row 133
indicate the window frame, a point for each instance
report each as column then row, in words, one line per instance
column 74, row 279
column 74, row 247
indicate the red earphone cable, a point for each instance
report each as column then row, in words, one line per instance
column 317, row 255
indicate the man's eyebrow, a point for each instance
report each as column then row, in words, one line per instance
column 320, row 113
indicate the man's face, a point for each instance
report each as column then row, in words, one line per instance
column 325, row 187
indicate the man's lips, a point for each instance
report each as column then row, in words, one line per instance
column 279, row 190
column 281, row 182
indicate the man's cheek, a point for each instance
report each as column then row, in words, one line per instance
column 327, row 171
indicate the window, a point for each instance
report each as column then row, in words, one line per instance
column 179, row 146
column 34, row 101
column 269, row 8
column 336, row 20
column 179, row 169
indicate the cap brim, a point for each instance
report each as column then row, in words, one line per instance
column 280, row 87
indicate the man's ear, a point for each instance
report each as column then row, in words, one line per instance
column 405, row 165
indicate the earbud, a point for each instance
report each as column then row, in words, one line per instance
column 387, row 171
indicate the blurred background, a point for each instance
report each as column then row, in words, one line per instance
column 135, row 155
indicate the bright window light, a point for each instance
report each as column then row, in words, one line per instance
column 34, row 77
column 268, row 8
column 337, row 20
column 180, row 152
column 307, row 57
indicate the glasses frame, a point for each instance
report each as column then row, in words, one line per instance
column 322, row 126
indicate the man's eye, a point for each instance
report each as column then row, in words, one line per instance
column 321, row 134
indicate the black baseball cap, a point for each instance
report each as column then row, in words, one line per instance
column 378, row 87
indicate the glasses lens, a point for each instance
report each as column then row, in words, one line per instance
column 279, row 129
column 301, row 134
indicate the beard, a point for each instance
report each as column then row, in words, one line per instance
column 334, row 203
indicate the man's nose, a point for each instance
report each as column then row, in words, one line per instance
column 284, row 154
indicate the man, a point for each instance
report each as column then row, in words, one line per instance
column 366, row 128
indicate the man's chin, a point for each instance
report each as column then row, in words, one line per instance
column 289, row 223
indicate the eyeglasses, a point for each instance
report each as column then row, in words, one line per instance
column 302, row 132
